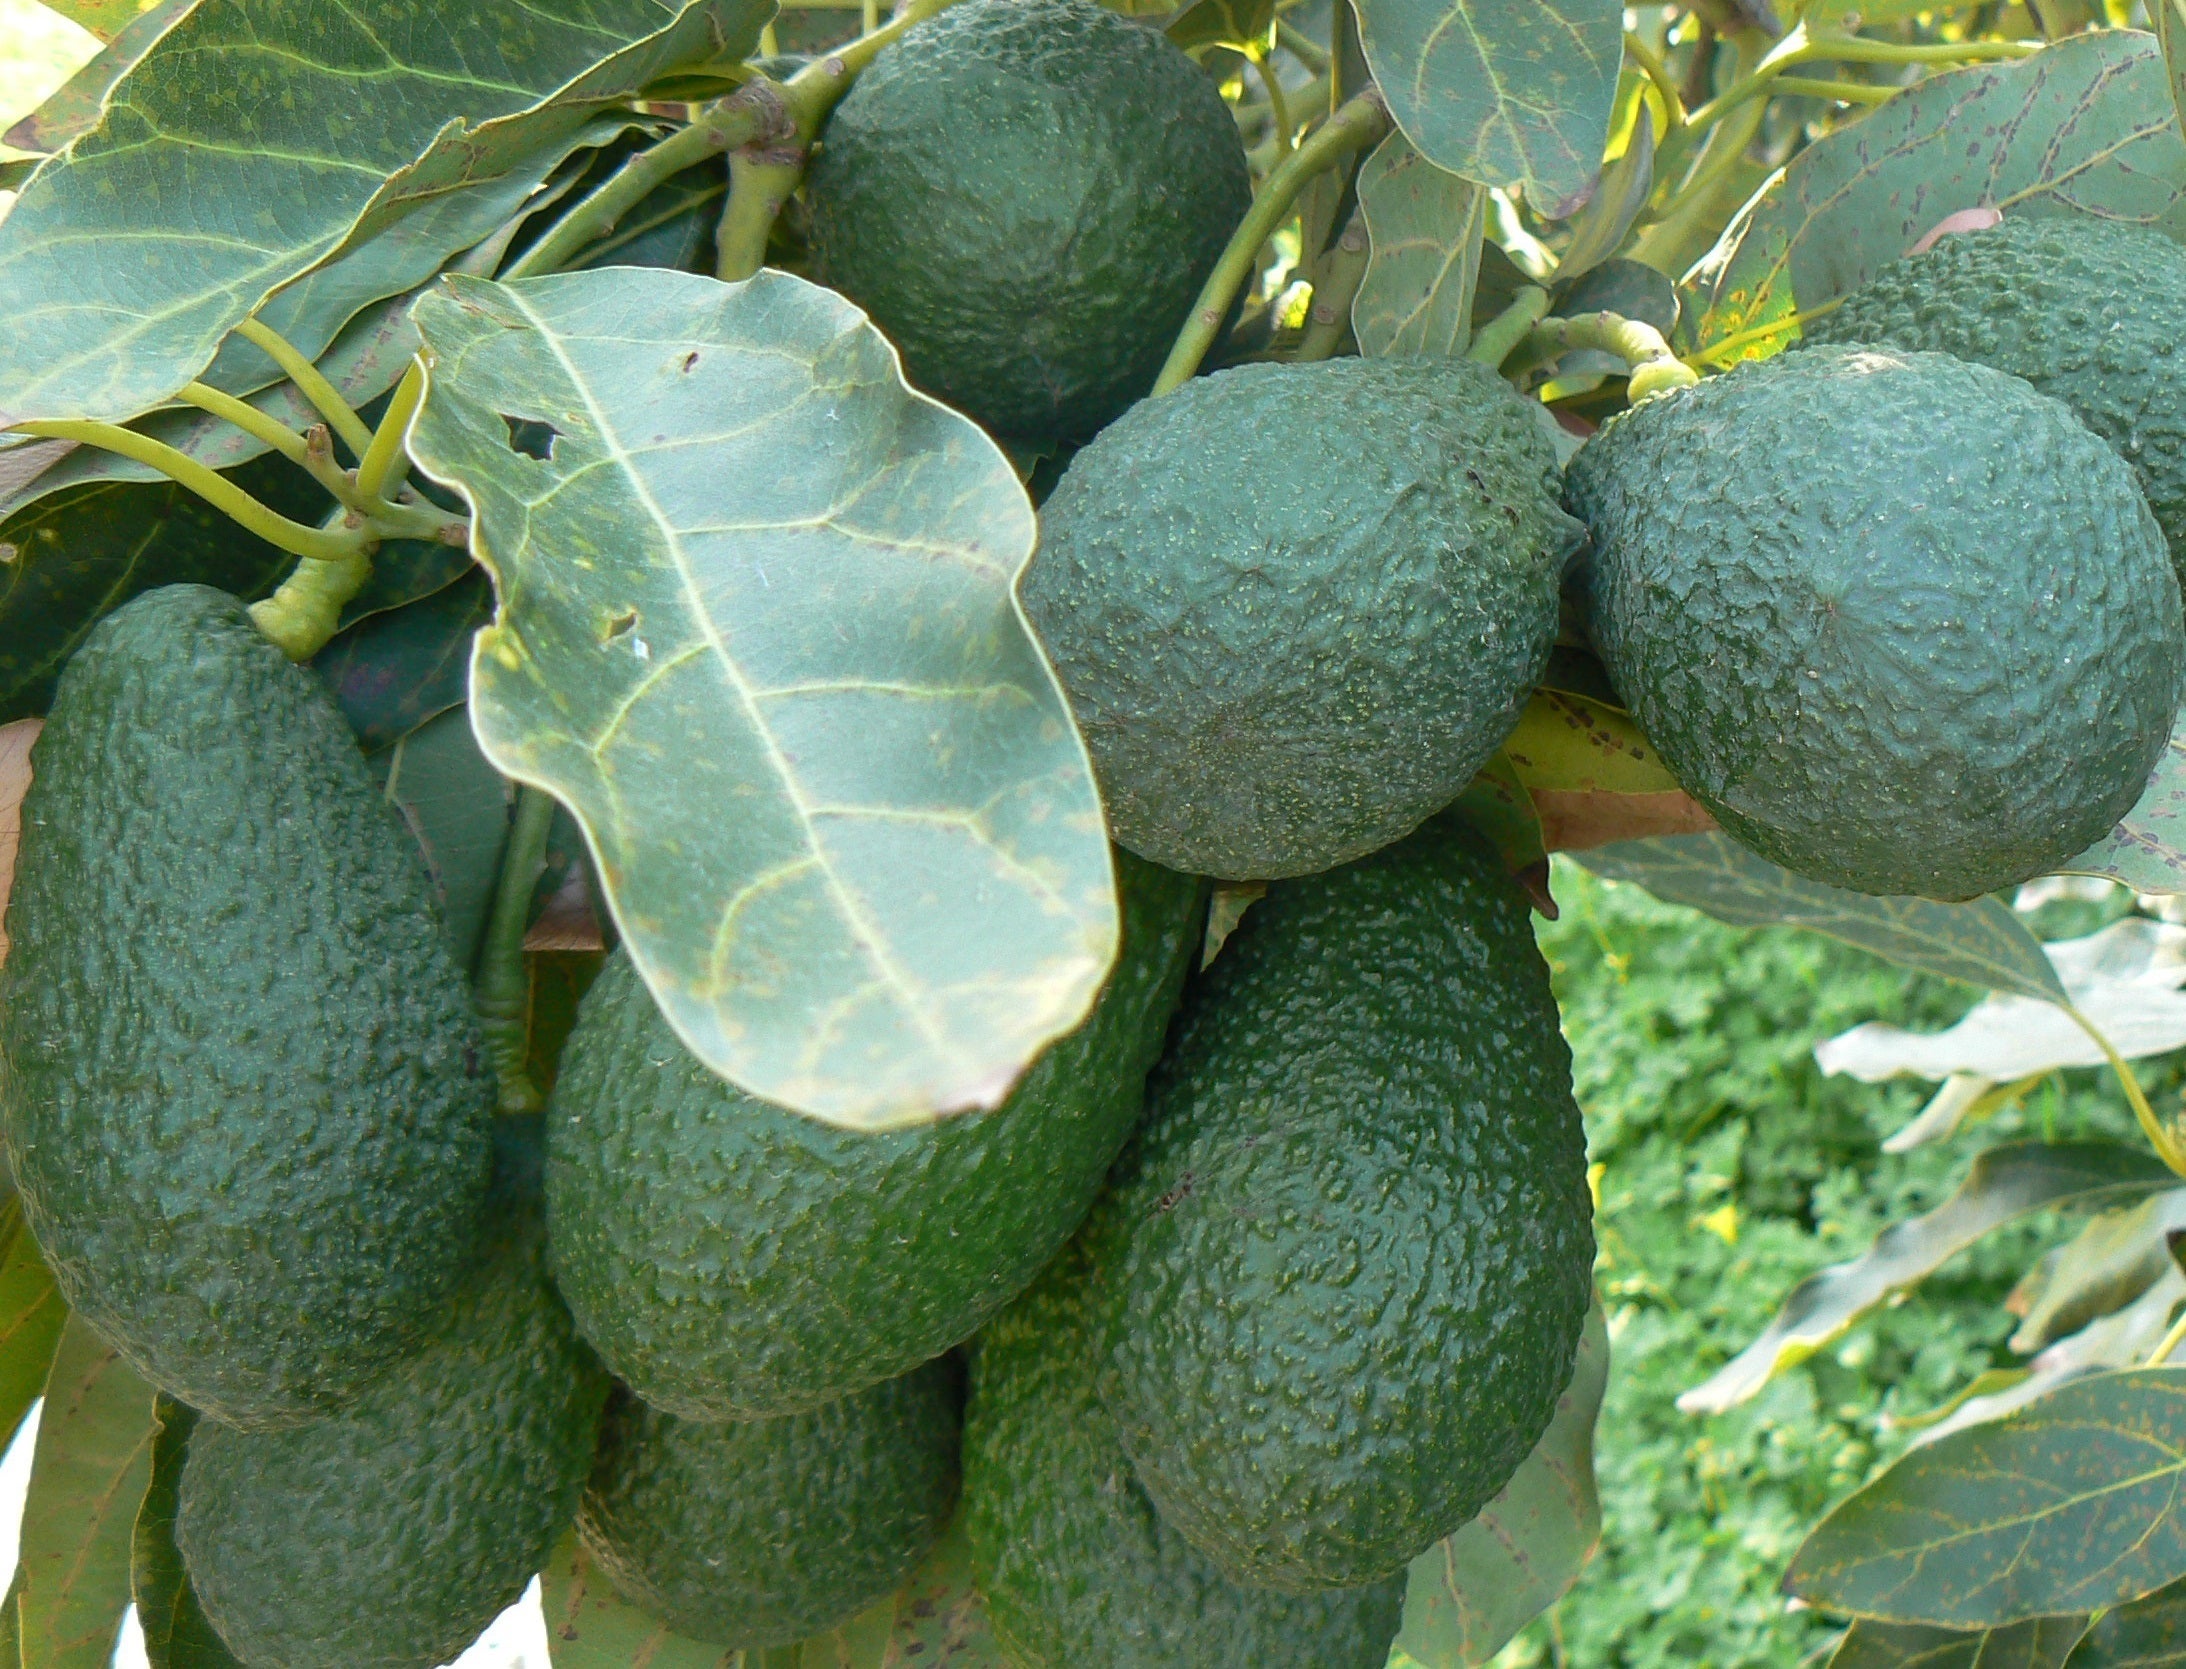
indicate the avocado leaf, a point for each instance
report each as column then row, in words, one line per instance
column 355, row 120
column 88, row 1472
column 2003, row 1184
column 458, row 808
column 73, row 107
column 31, row 1319
column 1469, row 1594
column 2170, row 16
column 2071, row 1504
column 758, row 633
column 391, row 672
column 2037, row 1643
column 1505, row 95
column 176, row 1633
column 2147, row 850
column 1423, row 226
column 1981, row 942
column 2085, row 126
column 589, row 1627
column 2148, row 1633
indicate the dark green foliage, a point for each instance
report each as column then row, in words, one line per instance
column 764, row 1532
column 243, row 1099
column 1901, row 623
column 1357, row 1241
column 389, row 1535
column 2091, row 312
column 731, row 1259
column 1026, row 196
column 1077, row 1569
column 1282, row 667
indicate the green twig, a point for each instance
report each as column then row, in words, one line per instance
column 1301, row 47
column 1494, row 341
column 250, row 420
column 1651, row 65
column 325, row 398
column 1278, row 104
column 1841, row 92
column 503, row 986
column 1335, row 287
column 594, row 254
column 1655, row 369
column 1360, row 122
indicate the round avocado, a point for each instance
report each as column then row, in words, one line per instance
column 731, row 1259
column 1296, row 607
column 1901, row 623
column 756, row 1533
column 1077, row 1569
column 246, row 1100
column 1026, row 196
column 2091, row 312
column 1356, row 1239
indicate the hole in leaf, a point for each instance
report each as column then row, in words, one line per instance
column 620, row 626
column 531, row 437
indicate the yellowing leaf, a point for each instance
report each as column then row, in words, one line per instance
column 758, row 631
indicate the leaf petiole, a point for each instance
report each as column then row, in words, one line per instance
column 1655, row 367
column 381, row 468
column 325, row 398
column 2162, row 1139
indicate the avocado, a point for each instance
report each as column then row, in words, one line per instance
column 1026, row 196
column 1355, row 1239
column 756, row 1533
column 1901, row 623
column 1280, row 669
column 2091, row 312
column 243, row 1090
column 388, row 1536
column 1076, row 1568
column 731, row 1259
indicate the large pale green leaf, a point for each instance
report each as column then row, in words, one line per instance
column 2147, row 850
column 2083, row 127
column 2072, row 1504
column 2149, row 1633
column 758, row 632
column 31, row 1318
column 176, row 1634
column 2038, row 1643
column 458, row 808
column 1423, row 226
column 588, row 1627
column 88, row 1472
column 1466, row 1596
column 1515, row 93
column 1982, row 943
column 261, row 139
column 2003, row 1183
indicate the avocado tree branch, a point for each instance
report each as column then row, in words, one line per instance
column 503, row 985
column 1360, row 122
column 325, row 398
column 1495, row 341
column 1654, row 366
column 1335, row 287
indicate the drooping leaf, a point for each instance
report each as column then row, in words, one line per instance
column 2124, row 981
column 87, row 1477
column 176, row 1634
column 393, row 671
column 1423, row 226
column 2147, row 850
column 31, row 1318
column 1982, row 943
column 2148, row 1633
column 73, row 558
column 458, row 808
column 2072, row 1504
column 73, row 107
column 1511, row 94
column 1598, row 230
column 2086, row 126
column 1469, row 1594
column 589, row 1627
column 1963, row 1098
column 2002, row 1184
column 346, row 119
column 2038, row 1643
column 757, row 630
column 2115, row 1258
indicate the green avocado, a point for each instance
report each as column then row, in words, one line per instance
column 1026, row 196
column 731, row 1259
column 1899, row 622
column 388, row 1536
column 1279, row 668
column 1355, row 1239
column 759, row 1533
column 1076, row 1568
column 243, row 1088
column 2091, row 312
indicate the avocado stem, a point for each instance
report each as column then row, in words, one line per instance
column 503, row 986
column 1655, row 369
column 1360, row 122
column 1335, row 288
column 311, row 382
column 1496, row 340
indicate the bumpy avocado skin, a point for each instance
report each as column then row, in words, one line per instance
column 1280, row 667
column 1357, row 1243
column 732, row 1260
column 1901, row 623
column 1077, row 1569
column 758, row 1533
column 388, row 1536
column 244, row 1094
column 1026, row 196
column 2091, row 312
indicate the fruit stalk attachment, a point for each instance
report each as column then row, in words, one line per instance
column 503, row 986
column 1655, row 368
